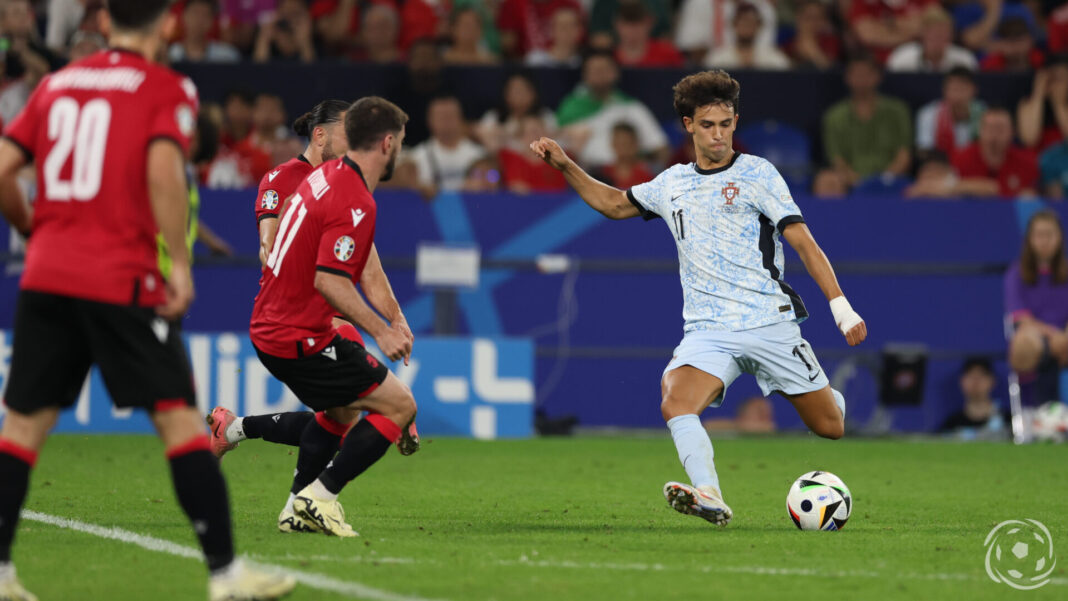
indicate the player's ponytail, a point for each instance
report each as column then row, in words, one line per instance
column 327, row 111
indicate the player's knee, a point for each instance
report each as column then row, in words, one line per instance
column 673, row 406
column 406, row 407
column 831, row 428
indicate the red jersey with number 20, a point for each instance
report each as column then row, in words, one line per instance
column 328, row 226
column 88, row 127
column 278, row 184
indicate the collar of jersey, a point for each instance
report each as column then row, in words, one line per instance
column 351, row 163
column 301, row 157
column 717, row 169
column 126, row 51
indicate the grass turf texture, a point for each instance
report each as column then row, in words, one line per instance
column 562, row 519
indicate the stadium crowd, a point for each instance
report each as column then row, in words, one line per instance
column 956, row 145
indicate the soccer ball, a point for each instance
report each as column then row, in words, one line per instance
column 1049, row 422
column 819, row 501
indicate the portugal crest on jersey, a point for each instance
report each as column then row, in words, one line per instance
column 730, row 192
column 343, row 248
column 269, row 200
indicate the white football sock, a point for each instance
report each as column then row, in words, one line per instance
column 7, row 571
column 840, row 401
column 319, row 491
column 695, row 450
column 289, row 503
column 228, row 572
column 235, row 432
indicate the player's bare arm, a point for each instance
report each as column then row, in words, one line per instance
column 170, row 207
column 375, row 285
column 13, row 205
column 269, row 229
column 819, row 267
column 606, row 200
column 342, row 296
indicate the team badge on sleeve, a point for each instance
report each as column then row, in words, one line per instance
column 269, row 200
column 344, row 248
column 186, row 120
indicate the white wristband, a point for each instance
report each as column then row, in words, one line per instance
column 844, row 315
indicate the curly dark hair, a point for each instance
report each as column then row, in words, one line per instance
column 705, row 88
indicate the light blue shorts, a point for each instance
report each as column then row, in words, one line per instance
column 776, row 355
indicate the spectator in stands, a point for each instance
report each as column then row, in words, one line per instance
column 286, row 35
column 26, row 61
column 934, row 51
column 1057, row 27
column 465, row 32
column 237, row 118
column 828, row 183
column 627, row 169
column 815, row 43
column 566, row 31
column 422, row 83
column 882, row 25
column 705, row 25
column 637, row 47
column 340, row 25
column 981, row 417
column 596, row 105
column 745, row 52
column 604, row 13
column 1042, row 117
column 84, row 43
column 238, row 20
column 522, row 171
column 867, row 134
column 525, row 24
column 1036, row 299
column 64, row 18
column 378, row 36
column 500, row 127
column 935, row 177
column 977, row 21
column 1053, row 167
column 198, row 16
column 994, row 166
column 441, row 163
column 952, row 122
column 484, row 175
column 1013, row 49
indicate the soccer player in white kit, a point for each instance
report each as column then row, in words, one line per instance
column 727, row 212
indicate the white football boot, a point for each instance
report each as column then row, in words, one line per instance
column 704, row 502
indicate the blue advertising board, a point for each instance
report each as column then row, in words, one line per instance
column 475, row 387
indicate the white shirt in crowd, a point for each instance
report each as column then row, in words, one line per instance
column 909, row 57
column 598, row 149
column 64, row 18
column 708, row 24
column 444, row 168
column 764, row 57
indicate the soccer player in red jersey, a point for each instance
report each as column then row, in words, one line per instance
column 324, row 128
column 109, row 135
column 324, row 240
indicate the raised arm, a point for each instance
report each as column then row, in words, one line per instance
column 819, row 267
column 606, row 200
column 12, row 204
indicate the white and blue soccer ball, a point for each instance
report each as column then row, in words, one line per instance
column 819, row 501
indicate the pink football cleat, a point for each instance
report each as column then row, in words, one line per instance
column 219, row 420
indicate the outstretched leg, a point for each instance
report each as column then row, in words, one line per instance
column 823, row 411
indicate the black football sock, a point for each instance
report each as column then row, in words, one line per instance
column 201, row 492
column 15, row 465
column 281, row 428
column 318, row 445
column 365, row 444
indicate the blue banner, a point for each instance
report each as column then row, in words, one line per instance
column 476, row 387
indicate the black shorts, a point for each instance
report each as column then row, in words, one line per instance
column 57, row 338
column 336, row 376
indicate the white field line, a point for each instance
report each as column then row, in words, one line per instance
column 151, row 543
column 528, row 562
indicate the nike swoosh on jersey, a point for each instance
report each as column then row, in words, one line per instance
column 272, row 175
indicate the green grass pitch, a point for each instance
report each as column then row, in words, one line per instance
column 561, row 519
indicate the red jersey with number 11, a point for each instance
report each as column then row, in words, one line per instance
column 328, row 226
column 88, row 126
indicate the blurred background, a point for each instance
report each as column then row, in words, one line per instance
column 920, row 138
